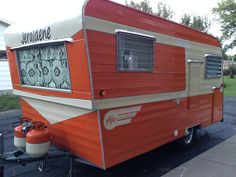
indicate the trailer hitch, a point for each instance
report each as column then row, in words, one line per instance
column 19, row 157
column 1, row 154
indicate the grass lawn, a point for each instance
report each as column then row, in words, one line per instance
column 8, row 102
column 230, row 86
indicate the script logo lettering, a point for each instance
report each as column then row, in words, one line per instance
column 36, row 36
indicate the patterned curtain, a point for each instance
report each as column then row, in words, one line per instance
column 44, row 66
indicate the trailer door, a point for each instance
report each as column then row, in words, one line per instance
column 194, row 82
column 217, row 112
column 213, row 73
column 194, row 76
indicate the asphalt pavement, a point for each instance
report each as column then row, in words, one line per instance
column 220, row 161
column 159, row 162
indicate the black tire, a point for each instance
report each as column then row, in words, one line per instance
column 188, row 139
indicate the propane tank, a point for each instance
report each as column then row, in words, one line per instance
column 20, row 133
column 38, row 140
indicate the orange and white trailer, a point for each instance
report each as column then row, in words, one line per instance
column 112, row 82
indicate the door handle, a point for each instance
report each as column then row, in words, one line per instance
column 213, row 88
column 220, row 87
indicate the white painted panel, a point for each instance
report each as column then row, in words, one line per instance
column 55, row 112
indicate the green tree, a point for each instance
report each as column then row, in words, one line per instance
column 186, row 20
column 196, row 22
column 143, row 6
column 226, row 12
column 230, row 57
column 224, row 48
column 234, row 57
column 163, row 10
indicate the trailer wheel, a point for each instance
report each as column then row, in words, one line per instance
column 188, row 139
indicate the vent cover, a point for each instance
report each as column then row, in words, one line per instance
column 213, row 66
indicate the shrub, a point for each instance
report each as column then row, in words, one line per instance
column 227, row 72
column 231, row 71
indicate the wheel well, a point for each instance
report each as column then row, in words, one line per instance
column 198, row 126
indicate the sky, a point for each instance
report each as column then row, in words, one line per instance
column 18, row 11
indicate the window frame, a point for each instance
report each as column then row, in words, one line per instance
column 64, row 42
column 133, row 34
column 213, row 56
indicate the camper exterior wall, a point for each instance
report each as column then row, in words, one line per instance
column 175, row 45
column 143, row 110
column 109, row 115
column 80, row 87
column 78, row 134
column 155, row 124
column 65, row 113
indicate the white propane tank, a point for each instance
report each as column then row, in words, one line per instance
column 38, row 140
column 20, row 135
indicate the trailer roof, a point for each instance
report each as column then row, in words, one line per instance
column 120, row 14
column 70, row 24
column 60, row 26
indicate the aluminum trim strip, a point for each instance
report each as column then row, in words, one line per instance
column 101, row 139
column 80, row 103
column 84, row 21
column 44, row 42
column 135, row 33
column 195, row 61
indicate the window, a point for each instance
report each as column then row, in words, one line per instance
column 134, row 52
column 44, row 66
column 3, row 55
column 213, row 66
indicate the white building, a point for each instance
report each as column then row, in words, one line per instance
column 228, row 63
column 5, row 79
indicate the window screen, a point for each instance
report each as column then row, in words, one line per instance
column 213, row 66
column 44, row 66
column 134, row 52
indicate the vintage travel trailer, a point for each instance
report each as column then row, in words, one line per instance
column 112, row 82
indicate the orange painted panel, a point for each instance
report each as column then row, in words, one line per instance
column 110, row 11
column 78, row 66
column 168, row 73
column 13, row 67
column 153, row 126
column 217, row 105
column 78, row 135
column 79, row 73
